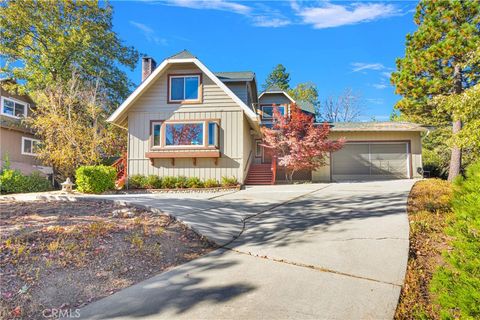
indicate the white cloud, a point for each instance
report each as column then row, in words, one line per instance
column 266, row 21
column 149, row 33
column 330, row 15
column 361, row 66
column 212, row 4
column 375, row 100
column 380, row 85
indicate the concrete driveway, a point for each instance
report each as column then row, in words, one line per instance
column 318, row 251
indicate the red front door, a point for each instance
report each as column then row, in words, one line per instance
column 267, row 155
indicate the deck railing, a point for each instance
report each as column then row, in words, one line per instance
column 121, row 167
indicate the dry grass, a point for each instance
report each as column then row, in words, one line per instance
column 67, row 254
column 429, row 209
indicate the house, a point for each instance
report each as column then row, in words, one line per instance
column 185, row 120
column 17, row 140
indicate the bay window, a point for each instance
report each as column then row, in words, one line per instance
column 184, row 88
column 187, row 134
column 184, row 134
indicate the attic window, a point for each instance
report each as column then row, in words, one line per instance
column 268, row 111
column 13, row 108
column 184, row 88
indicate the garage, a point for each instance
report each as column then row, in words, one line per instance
column 371, row 161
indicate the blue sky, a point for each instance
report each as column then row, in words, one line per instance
column 336, row 45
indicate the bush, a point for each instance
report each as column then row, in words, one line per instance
column 153, row 182
column 195, row 182
column 457, row 283
column 13, row 181
column 229, row 181
column 95, row 179
column 169, row 182
column 211, row 183
column 137, row 181
column 182, row 182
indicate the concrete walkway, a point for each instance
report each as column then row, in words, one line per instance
column 318, row 251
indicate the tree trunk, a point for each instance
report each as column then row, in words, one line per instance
column 456, row 156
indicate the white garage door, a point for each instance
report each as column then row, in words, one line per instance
column 358, row 161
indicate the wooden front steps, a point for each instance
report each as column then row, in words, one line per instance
column 259, row 174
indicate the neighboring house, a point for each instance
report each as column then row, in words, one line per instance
column 185, row 120
column 18, row 142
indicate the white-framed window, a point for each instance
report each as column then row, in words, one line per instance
column 156, row 133
column 184, row 88
column 267, row 110
column 30, row 146
column 14, row 108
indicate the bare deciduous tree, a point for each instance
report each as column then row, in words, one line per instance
column 345, row 108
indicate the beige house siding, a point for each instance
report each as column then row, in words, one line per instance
column 248, row 148
column 11, row 145
column 323, row 174
column 152, row 105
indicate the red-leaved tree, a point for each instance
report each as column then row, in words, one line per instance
column 297, row 142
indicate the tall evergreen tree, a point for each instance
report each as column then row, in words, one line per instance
column 437, row 62
column 278, row 77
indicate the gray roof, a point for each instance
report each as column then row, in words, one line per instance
column 235, row 76
column 377, row 126
column 306, row 106
column 184, row 54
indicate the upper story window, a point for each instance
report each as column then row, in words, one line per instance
column 30, row 146
column 184, row 88
column 267, row 111
column 14, row 108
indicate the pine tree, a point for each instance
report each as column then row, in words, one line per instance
column 437, row 63
column 279, row 77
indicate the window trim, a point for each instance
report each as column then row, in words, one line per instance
column 163, row 146
column 184, row 75
column 25, row 104
column 23, row 146
column 152, row 123
column 273, row 105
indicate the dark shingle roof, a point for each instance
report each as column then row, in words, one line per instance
column 376, row 126
column 184, row 54
column 235, row 76
column 306, row 106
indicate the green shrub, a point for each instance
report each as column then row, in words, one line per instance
column 13, row 181
column 182, row 182
column 211, row 183
column 169, row 182
column 457, row 283
column 194, row 182
column 229, row 181
column 95, row 179
column 153, row 182
column 137, row 181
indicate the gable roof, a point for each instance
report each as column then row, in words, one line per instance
column 184, row 54
column 275, row 89
column 235, row 76
column 181, row 57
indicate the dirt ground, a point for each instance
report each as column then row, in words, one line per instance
column 64, row 255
